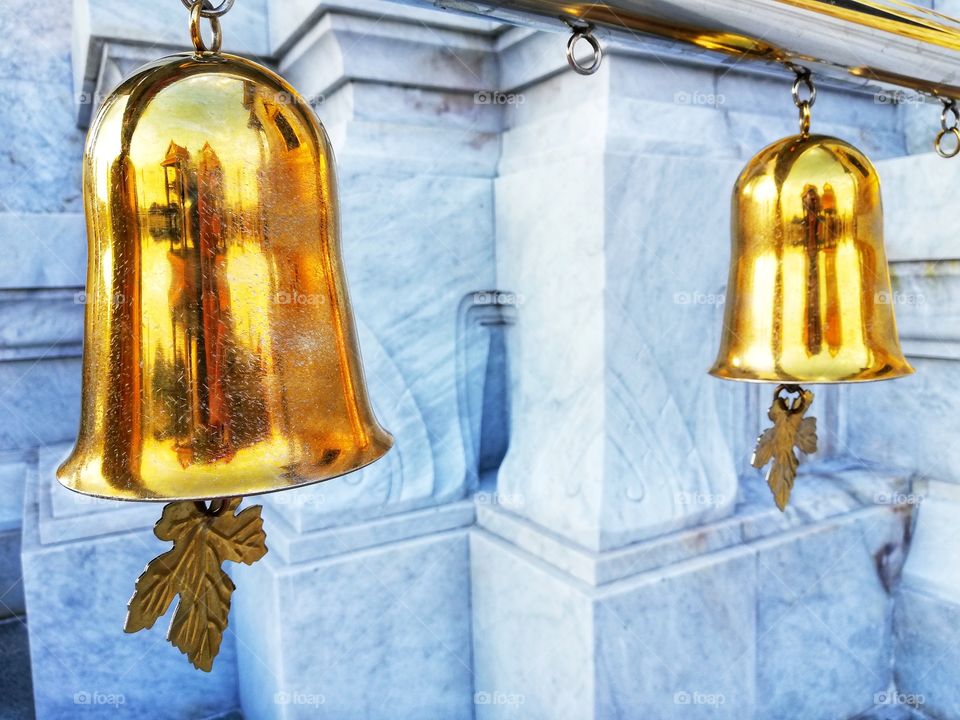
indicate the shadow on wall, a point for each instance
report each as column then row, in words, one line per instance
column 483, row 319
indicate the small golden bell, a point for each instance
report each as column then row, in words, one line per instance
column 220, row 355
column 808, row 297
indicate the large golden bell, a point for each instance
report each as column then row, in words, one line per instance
column 220, row 356
column 809, row 297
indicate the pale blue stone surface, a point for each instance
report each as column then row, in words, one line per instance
column 621, row 568
column 77, row 593
column 795, row 624
column 379, row 633
column 927, row 651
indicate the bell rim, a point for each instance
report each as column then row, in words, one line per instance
column 385, row 448
column 719, row 371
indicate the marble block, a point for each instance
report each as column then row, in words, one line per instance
column 745, row 630
column 612, row 344
column 375, row 631
column 40, row 400
column 11, row 576
column 77, row 583
column 928, row 652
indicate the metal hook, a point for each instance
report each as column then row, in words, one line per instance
column 584, row 33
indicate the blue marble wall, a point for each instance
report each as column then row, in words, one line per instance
column 626, row 562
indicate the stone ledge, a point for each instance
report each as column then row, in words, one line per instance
column 818, row 497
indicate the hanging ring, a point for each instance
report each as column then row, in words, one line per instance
column 797, row 405
column 213, row 509
column 196, row 12
column 939, row 147
column 209, row 11
column 949, row 125
column 805, row 79
column 584, row 34
column 804, row 118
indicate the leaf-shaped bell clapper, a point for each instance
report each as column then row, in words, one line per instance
column 220, row 353
column 809, row 297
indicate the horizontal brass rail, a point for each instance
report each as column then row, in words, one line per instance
column 876, row 42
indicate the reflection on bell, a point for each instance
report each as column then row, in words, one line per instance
column 220, row 356
column 809, row 297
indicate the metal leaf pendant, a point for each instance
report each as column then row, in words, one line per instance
column 790, row 429
column 203, row 539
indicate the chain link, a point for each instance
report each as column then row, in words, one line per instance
column 208, row 10
column 949, row 125
column 196, row 34
column 804, row 80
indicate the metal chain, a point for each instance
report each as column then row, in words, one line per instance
column 805, row 80
column 948, row 127
column 196, row 12
column 209, row 10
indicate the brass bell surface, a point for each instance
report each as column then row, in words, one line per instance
column 809, row 297
column 220, row 355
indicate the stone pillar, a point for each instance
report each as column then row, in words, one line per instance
column 912, row 423
column 362, row 608
column 632, row 574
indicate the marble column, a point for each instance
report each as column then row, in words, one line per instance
column 913, row 423
column 362, row 609
column 623, row 569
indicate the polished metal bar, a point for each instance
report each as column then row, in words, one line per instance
column 876, row 42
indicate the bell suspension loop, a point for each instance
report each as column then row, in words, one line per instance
column 804, row 102
column 949, row 125
column 205, row 9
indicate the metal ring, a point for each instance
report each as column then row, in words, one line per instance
column 208, row 10
column 197, row 36
column 938, row 143
column 214, row 509
column 949, row 108
column 797, row 405
column 584, row 34
column 804, row 77
column 804, row 118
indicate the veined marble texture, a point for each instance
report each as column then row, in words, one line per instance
column 620, row 568
column 791, row 625
column 81, row 558
column 376, row 633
